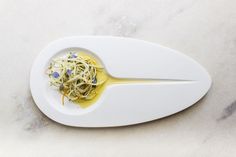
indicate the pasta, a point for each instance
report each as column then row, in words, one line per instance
column 75, row 76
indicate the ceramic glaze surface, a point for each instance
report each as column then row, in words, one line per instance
column 180, row 82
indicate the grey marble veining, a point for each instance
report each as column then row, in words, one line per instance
column 202, row 29
column 28, row 114
column 228, row 111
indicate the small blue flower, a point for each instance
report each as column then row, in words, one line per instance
column 73, row 56
column 68, row 72
column 55, row 74
column 94, row 80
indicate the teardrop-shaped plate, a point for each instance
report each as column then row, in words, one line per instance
column 181, row 82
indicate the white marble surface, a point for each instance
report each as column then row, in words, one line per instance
column 202, row 29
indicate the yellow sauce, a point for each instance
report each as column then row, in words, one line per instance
column 103, row 75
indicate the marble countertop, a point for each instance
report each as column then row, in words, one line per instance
column 202, row 29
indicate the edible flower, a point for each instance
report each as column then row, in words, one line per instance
column 55, row 74
column 68, row 72
column 73, row 56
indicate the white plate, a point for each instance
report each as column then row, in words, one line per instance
column 182, row 82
